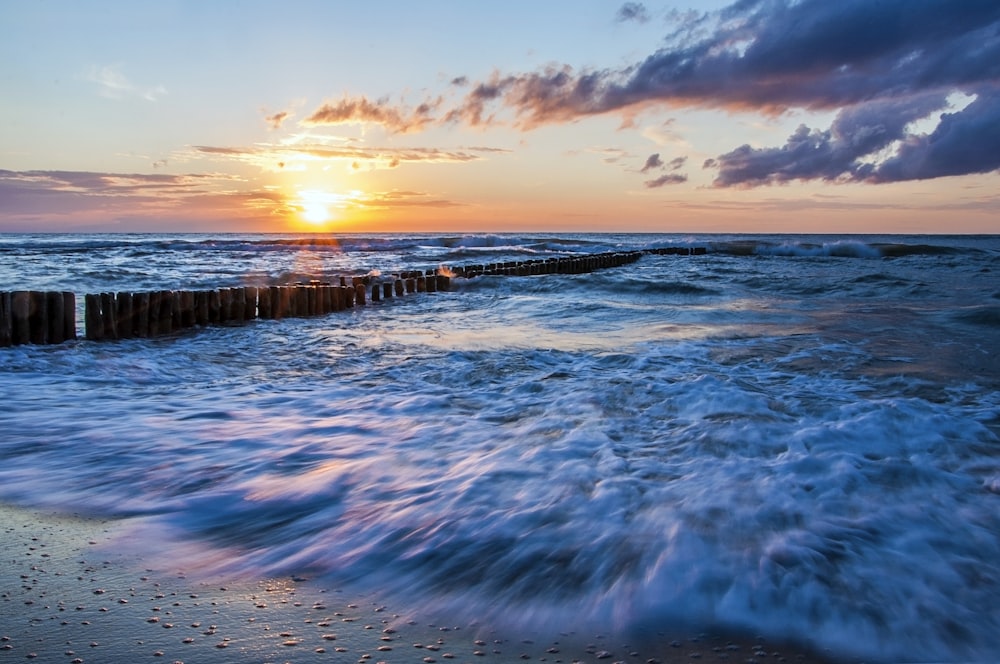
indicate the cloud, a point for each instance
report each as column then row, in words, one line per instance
column 282, row 156
column 964, row 142
column 113, row 84
column 275, row 120
column 669, row 178
column 53, row 199
column 900, row 58
column 360, row 110
column 652, row 161
column 772, row 55
column 632, row 11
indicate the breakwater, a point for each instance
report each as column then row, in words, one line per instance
column 40, row 317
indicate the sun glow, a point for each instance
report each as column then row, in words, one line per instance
column 316, row 207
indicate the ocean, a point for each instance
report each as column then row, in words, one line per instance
column 792, row 436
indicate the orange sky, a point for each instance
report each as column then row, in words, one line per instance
column 601, row 117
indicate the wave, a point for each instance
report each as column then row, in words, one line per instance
column 838, row 248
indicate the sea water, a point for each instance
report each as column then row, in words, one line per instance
column 797, row 436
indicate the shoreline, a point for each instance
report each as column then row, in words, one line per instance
column 64, row 599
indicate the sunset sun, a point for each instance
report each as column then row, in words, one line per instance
column 317, row 207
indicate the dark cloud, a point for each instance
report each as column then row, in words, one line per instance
column 669, row 178
column 652, row 161
column 837, row 153
column 677, row 163
column 632, row 11
column 963, row 142
column 775, row 54
column 880, row 64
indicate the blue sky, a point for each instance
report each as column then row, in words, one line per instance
column 748, row 116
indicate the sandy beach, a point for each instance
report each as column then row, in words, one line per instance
column 64, row 597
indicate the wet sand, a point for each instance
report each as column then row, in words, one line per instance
column 64, row 598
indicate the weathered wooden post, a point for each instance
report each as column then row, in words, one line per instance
column 387, row 289
column 328, row 305
column 201, row 308
column 69, row 315
column 264, row 302
column 124, row 315
column 185, row 300
column 301, row 296
column 6, row 323
column 53, row 317
column 238, row 299
column 20, row 309
column 274, row 295
column 153, row 313
column 109, row 313
column 250, row 300
column 37, row 317
column 225, row 305
column 165, row 319
column 347, row 292
column 214, row 307
column 359, row 295
column 140, row 314
column 93, row 320
column 376, row 293
column 398, row 286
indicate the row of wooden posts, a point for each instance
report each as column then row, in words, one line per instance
column 38, row 317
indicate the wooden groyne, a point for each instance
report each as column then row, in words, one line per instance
column 37, row 317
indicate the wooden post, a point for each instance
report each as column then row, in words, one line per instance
column 301, row 299
column 387, row 289
column 421, row 284
column 225, row 305
column 214, row 307
column 398, row 285
column 165, row 319
column 376, row 293
column 176, row 320
column 201, row 308
column 37, row 318
column 274, row 295
column 186, row 301
column 140, row 314
column 264, row 302
column 250, row 299
column 6, row 323
column 124, row 315
column 431, row 283
column 312, row 302
column 52, row 320
column 20, row 310
column 359, row 295
column 326, row 298
column 239, row 304
column 93, row 320
column 69, row 315
column 336, row 298
column 347, row 293
column 109, row 313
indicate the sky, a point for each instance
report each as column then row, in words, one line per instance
column 745, row 116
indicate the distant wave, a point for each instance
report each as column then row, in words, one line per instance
column 841, row 248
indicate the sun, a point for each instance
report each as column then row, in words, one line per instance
column 316, row 213
column 317, row 207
